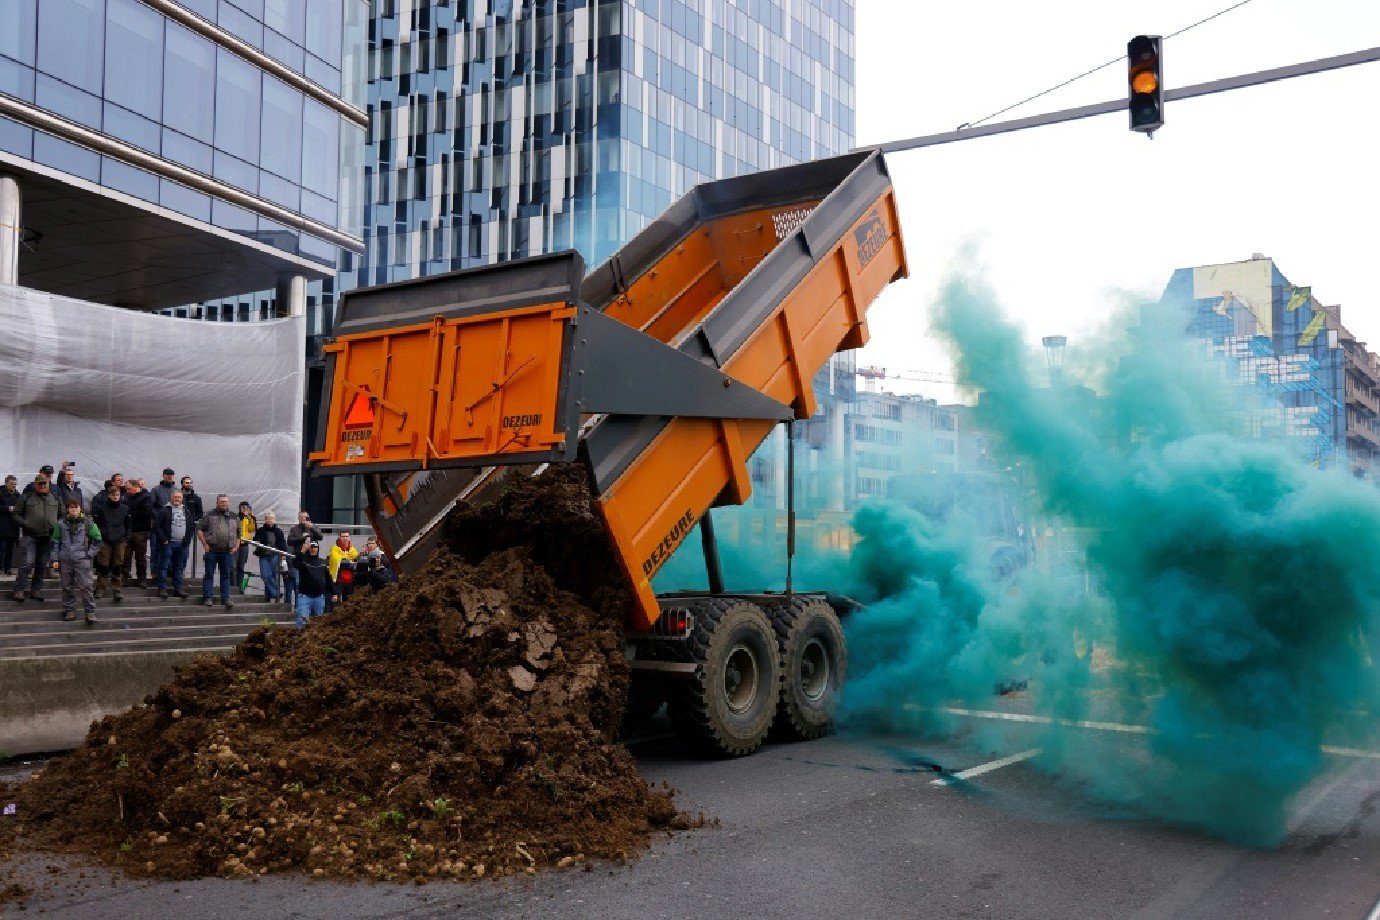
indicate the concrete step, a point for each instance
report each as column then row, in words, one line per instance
column 140, row 620
column 126, row 641
column 100, row 633
column 130, row 604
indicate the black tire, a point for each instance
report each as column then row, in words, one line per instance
column 814, row 663
column 727, row 707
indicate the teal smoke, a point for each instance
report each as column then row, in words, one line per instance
column 1232, row 583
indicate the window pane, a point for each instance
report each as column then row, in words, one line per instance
column 21, row 27
column 189, row 93
column 320, row 149
column 71, row 39
column 241, row 25
column 286, row 17
column 206, row 9
column 237, row 106
column 324, row 19
column 56, row 96
column 282, row 130
column 134, row 57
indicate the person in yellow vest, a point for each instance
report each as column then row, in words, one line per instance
column 342, row 552
column 248, row 524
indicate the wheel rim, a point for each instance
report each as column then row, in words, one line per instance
column 814, row 670
column 741, row 677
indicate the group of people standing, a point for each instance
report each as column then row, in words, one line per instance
column 128, row 532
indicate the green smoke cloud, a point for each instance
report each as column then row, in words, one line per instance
column 1233, row 594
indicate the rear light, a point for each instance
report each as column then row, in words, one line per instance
column 674, row 623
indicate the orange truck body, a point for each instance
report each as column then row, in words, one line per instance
column 662, row 370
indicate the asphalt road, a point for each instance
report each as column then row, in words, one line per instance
column 851, row 828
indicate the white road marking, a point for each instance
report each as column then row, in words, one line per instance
column 1124, row 727
column 1374, row 912
column 985, row 768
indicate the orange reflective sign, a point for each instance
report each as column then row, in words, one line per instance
column 360, row 413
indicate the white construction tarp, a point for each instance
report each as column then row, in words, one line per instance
column 124, row 391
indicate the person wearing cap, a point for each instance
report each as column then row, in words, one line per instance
column 162, row 492
column 9, row 527
column 76, row 543
column 313, row 582
column 46, row 471
column 36, row 513
column 111, row 515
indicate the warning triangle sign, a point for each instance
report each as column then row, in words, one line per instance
column 361, row 412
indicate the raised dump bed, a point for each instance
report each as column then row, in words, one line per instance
column 662, row 371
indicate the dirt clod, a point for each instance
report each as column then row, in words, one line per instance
column 459, row 724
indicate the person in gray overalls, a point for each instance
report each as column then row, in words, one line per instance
column 76, row 541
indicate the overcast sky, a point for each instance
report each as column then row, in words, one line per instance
column 1065, row 216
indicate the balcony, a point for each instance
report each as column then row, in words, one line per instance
column 1362, row 398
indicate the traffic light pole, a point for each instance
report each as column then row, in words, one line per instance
column 1258, row 78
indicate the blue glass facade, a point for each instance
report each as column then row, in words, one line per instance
column 1280, row 349
column 126, row 70
column 508, row 128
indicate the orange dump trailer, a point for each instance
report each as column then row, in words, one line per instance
column 661, row 371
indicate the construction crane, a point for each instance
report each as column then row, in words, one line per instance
column 872, row 374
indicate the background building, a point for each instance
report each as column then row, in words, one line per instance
column 157, row 153
column 1311, row 382
column 501, row 129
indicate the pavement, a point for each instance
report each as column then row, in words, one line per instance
column 853, row 828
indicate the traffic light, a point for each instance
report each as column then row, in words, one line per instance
column 1145, row 74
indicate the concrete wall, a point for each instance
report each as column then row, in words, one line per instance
column 48, row 704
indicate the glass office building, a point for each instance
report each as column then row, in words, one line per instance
column 242, row 116
column 509, row 128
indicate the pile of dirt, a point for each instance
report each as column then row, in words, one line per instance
column 459, row 724
column 551, row 518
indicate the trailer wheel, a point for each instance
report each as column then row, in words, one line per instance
column 727, row 707
column 814, row 662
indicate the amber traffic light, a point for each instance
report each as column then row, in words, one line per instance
column 1145, row 76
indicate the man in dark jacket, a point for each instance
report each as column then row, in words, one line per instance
column 162, row 494
column 140, row 502
column 219, row 533
column 192, row 500
column 313, row 583
column 36, row 513
column 173, row 528
column 298, row 536
column 112, row 519
column 9, row 527
column 68, row 487
column 270, row 537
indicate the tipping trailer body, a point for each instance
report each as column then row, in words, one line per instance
column 663, row 370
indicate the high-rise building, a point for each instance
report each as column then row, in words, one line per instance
column 163, row 152
column 509, row 128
